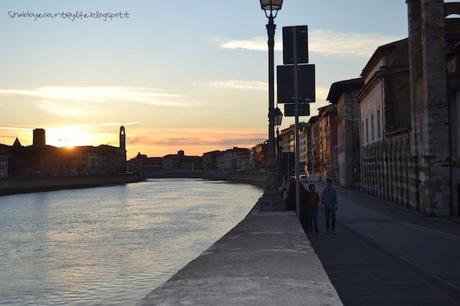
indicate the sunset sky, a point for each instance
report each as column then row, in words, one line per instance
column 178, row 74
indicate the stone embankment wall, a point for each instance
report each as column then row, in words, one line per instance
column 18, row 185
column 253, row 179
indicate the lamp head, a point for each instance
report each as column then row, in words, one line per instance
column 278, row 116
column 271, row 7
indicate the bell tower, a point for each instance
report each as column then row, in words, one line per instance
column 122, row 138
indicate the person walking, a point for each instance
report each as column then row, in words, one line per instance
column 329, row 202
column 312, row 203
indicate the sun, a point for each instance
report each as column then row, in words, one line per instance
column 68, row 137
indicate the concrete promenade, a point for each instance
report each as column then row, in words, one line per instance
column 265, row 260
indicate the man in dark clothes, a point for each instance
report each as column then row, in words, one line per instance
column 312, row 203
column 329, row 200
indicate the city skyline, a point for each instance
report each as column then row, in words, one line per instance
column 176, row 75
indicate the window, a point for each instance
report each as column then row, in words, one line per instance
column 367, row 130
column 372, row 128
column 379, row 125
column 362, row 132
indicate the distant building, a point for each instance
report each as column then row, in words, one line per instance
column 313, row 160
column 180, row 161
column 327, row 141
column 210, row 160
column 171, row 162
column 343, row 95
column 41, row 160
column 235, row 160
column 286, row 139
column 303, row 149
column 220, row 160
column 145, row 166
column 4, row 160
column 258, row 157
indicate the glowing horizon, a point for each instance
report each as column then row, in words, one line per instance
column 193, row 142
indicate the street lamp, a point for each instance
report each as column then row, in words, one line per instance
column 271, row 199
column 278, row 116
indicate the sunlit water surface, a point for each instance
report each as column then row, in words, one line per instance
column 110, row 245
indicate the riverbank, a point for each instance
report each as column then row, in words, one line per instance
column 29, row 185
column 265, row 260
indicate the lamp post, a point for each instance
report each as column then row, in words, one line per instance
column 271, row 199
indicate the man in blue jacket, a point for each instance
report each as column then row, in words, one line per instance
column 329, row 200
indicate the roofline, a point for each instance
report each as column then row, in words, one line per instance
column 338, row 88
column 378, row 53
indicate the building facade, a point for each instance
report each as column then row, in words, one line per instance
column 145, row 166
column 384, row 104
column 210, row 160
column 180, row 161
column 313, row 161
column 4, row 160
column 343, row 96
column 326, row 141
column 286, row 139
column 235, row 160
column 258, row 158
column 303, row 143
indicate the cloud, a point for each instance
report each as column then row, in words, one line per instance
column 254, row 44
column 83, row 101
column 93, row 125
column 321, row 93
column 238, row 84
column 15, row 128
column 69, row 109
column 100, row 94
column 324, row 42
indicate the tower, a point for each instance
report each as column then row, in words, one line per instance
column 122, row 138
column 39, row 138
column 122, row 150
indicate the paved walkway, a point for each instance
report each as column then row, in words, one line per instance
column 385, row 255
column 265, row 260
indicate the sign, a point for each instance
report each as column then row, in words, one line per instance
column 289, row 109
column 301, row 41
column 306, row 83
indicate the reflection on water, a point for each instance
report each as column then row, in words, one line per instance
column 110, row 245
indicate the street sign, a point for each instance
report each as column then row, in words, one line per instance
column 289, row 110
column 301, row 43
column 306, row 81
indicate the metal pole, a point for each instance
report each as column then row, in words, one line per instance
column 297, row 144
column 271, row 166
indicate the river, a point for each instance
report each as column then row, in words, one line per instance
column 110, row 245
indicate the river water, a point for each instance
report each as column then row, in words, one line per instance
column 110, row 245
